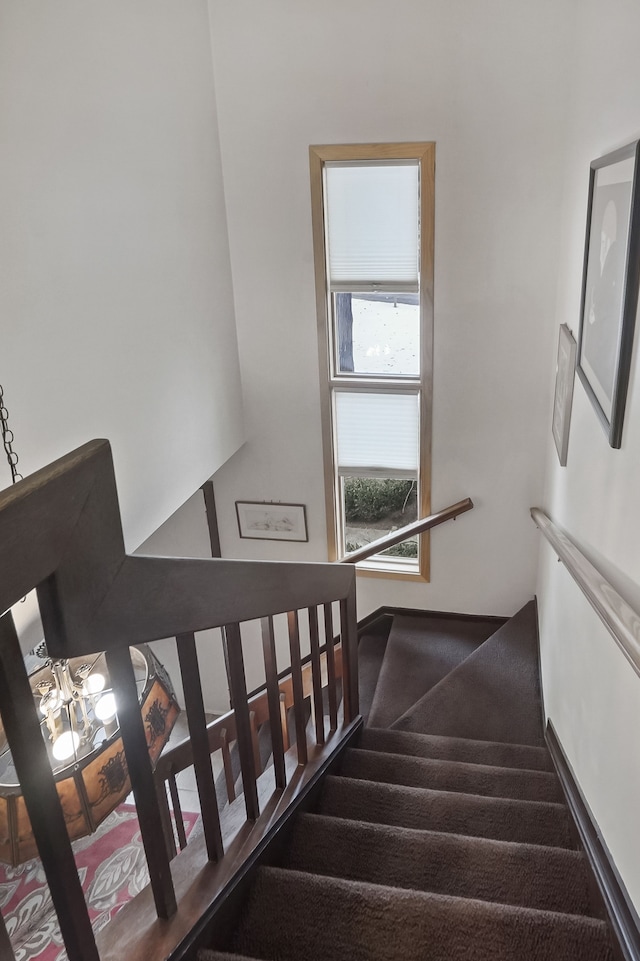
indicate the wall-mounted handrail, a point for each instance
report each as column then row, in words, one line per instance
column 410, row 530
column 622, row 622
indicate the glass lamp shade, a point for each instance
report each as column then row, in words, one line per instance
column 91, row 774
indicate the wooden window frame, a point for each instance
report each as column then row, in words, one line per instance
column 424, row 154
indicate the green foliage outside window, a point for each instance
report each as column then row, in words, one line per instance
column 369, row 499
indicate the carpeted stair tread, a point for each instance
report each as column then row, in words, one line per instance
column 547, row 878
column 503, row 819
column 371, row 650
column 494, row 695
column 437, row 746
column 421, row 651
column 451, row 776
column 292, row 915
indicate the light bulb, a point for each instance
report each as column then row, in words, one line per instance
column 65, row 746
column 94, row 683
column 105, row 707
column 50, row 702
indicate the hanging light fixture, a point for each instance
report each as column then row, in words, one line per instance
column 79, row 722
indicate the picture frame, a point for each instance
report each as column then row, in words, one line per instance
column 272, row 521
column 610, row 285
column 563, row 396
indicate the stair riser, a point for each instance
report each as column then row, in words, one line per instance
column 456, row 749
column 451, row 776
column 362, row 922
column 502, row 820
column 546, row 878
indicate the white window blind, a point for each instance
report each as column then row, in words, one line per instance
column 372, row 234
column 377, row 431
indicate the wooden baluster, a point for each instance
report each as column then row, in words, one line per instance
column 332, row 690
column 137, row 753
column 22, row 728
column 228, row 767
column 296, row 682
column 349, row 634
column 197, row 722
column 177, row 811
column 284, row 721
column 316, row 675
column 273, row 700
column 165, row 813
column 257, row 760
column 243, row 725
column 225, row 653
column 6, row 948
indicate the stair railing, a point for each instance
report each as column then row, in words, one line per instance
column 622, row 622
column 409, row 530
column 60, row 532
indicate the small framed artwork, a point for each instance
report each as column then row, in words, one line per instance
column 610, row 285
column 563, row 397
column 267, row 521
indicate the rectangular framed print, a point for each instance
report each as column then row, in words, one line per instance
column 268, row 521
column 563, row 396
column 610, row 285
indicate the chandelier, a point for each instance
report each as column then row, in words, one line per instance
column 79, row 724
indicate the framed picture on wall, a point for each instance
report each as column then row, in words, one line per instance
column 610, row 285
column 563, row 396
column 268, row 521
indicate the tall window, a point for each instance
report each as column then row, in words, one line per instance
column 373, row 211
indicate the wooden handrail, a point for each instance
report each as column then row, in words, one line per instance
column 622, row 622
column 417, row 527
column 60, row 531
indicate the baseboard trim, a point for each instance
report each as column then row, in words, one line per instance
column 620, row 913
column 370, row 621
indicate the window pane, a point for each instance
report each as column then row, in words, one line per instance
column 374, row 507
column 372, row 218
column 377, row 334
column 377, row 431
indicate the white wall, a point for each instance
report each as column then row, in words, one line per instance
column 185, row 534
column 116, row 304
column 486, row 82
column 592, row 694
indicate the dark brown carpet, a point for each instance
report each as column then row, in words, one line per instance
column 456, row 749
column 354, row 921
column 451, row 776
column 493, row 696
column 420, row 652
column 370, row 656
column 442, row 838
column 532, row 822
column 548, row 878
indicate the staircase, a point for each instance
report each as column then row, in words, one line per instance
column 444, row 834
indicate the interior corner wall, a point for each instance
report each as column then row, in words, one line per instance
column 116, row 301
column 592, row 694
column 486, row 82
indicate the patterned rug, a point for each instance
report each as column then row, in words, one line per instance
column 112, row 869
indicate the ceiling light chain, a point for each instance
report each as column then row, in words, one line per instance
column 7, row 440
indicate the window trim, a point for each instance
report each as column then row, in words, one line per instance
column 424, row 153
